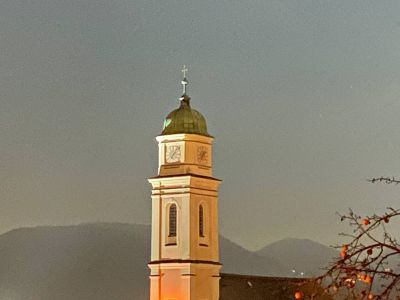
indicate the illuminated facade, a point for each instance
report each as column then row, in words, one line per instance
column 184, row 247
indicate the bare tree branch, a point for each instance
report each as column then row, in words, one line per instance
column 387, row 180
column 369, row 264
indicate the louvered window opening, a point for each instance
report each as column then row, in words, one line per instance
column 201, row 221
column 172, row 221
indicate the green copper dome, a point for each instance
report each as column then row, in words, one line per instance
column 185, row 120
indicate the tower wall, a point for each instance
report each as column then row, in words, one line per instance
column 184, row 281
column 184, row 261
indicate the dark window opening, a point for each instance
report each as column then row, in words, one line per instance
column 201, row 221
column 172, row 221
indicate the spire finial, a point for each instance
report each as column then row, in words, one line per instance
column 184, row 80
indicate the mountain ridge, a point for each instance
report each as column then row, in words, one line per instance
column 97, row 261
column 305, row 257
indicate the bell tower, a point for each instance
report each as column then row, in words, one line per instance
column 184, row 244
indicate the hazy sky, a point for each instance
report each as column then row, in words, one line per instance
column 303, row 98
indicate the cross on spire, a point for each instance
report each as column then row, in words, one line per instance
column 184, row 70
column 184, row 80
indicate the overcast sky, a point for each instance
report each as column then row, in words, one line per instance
column 303, row 98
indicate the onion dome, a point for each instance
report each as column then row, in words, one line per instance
column 185, row 119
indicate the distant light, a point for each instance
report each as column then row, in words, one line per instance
column 388, row 270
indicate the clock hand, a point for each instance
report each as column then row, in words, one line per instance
column 173, row 153
column 203, row 155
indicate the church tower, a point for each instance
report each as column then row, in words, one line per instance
column 184, row 243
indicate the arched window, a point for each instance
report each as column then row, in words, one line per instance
column 201, row 221
column 172, row 221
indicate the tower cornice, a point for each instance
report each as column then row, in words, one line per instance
column 184, row 136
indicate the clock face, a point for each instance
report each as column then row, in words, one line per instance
column 173, row 153
column 202, row 154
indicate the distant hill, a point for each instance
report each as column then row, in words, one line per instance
column 95, row 261
column 237, row 260
column 301, row 255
